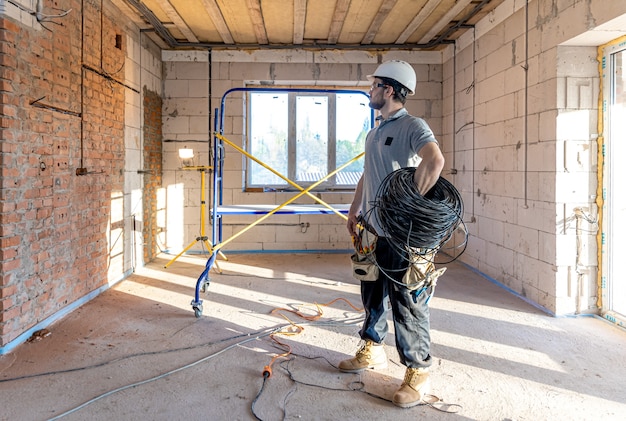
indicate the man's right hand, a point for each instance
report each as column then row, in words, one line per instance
column 352, row 225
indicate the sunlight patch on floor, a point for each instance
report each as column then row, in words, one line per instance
column 491, row 312
column 491, row 349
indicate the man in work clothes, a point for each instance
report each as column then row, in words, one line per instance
column 399, row 141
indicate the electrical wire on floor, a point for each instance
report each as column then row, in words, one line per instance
column 292, row 329
column 249, row 338
column 289, row 356
column 161, row 376
column 359, row 386
column 125, row 357
column 296, row 329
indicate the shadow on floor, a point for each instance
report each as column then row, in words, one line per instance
column 138, row 352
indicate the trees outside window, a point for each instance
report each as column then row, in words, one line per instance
column 305, row 136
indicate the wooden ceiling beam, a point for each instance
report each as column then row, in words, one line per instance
column 445, row 20
column 339, row 17
column 131, row 13
column 256, row 15
column 299, row 19
column 218, row 20
column 171, row 13
column 418, row 20
column 380, row 17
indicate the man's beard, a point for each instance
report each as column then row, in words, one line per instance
column 376, row 104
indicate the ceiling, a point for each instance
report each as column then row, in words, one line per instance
column 315, row 24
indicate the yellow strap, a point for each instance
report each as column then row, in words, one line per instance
column 297, row 196
column 255, row 159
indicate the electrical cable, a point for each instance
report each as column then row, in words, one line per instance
column 258, row 395
column 311, row 320
column 249, row 337
column 293, row 329
column 125, row 357
column 421, row 224
column 354, row 386
column 296, row 329
column 417, row 226
column 163, row 375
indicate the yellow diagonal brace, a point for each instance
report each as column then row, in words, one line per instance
column 255, row 159
column 273, row 211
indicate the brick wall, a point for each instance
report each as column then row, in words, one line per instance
column 153, row 158
column 54, row 224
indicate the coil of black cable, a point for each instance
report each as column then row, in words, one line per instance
column 416, row 221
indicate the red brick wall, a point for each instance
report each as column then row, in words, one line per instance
column 153, row 159
column 53, row 222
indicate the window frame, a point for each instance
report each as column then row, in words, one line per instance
column 292, row 94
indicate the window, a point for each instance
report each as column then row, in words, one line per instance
column 305, row 135
column 613, row 148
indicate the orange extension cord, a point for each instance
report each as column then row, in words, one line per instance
column 295, row 329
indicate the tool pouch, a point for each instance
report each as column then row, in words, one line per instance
column 421, row 273
column 364, row 267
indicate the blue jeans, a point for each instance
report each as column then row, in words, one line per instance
column 411, row 314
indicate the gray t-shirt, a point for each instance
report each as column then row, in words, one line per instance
column 392, row 145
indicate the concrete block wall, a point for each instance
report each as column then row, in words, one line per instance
column 186, row 124
column 520, row 133
column 186, row 115
column 577, row 93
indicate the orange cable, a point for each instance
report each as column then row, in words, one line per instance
column 295, row 329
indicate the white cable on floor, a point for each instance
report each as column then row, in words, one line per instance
column 160, row 376
column 208, row 357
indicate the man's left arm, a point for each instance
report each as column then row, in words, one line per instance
column 428, row 171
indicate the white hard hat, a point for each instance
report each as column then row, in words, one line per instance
column 398, row 70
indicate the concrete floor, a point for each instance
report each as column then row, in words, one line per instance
column 136, row 352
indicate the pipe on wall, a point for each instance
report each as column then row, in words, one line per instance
column 525, row 67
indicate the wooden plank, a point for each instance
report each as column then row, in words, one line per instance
column 197, row 18
column 360, row 14
column 256, row 16
column 418, row 20
column 339, row 17
column 218, row 20
column 279, row 21
column 175, row 18
column 299, row 18
column 445, row 20
column 380, row 17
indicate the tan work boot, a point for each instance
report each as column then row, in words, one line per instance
column 370, row 355
column 416, row 384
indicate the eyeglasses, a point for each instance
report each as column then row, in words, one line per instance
column 378, row 85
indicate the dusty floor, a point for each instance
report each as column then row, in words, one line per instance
column 137, row 352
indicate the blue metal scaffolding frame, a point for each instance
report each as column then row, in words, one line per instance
column 217, row 208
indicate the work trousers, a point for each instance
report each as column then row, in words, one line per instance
column 411, row 315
